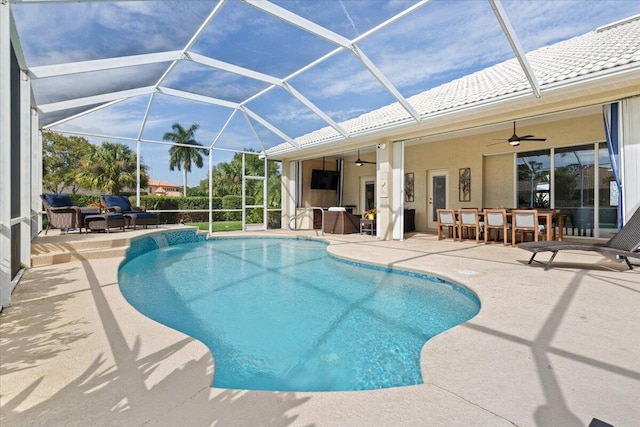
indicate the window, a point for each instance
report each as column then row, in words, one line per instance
column 534, row 179
column 574, row 183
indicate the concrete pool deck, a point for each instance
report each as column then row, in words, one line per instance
column 555, row 348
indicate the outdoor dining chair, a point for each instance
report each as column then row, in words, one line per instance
column 496, row 219
column 526, row 222
column 468, row 221
column 446, row 219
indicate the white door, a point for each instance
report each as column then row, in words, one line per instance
column 438, row 188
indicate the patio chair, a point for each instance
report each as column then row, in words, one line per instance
column 526, row 222
column 134, row 215
column 496, row 219
column 624, row 244
column 447, row 219
column 62, row 214
column 469, row 220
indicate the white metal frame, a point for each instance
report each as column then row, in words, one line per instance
column 5, row 156
column 32, row 139
column 185, row 54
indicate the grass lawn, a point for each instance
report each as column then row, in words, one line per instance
column 218, row 225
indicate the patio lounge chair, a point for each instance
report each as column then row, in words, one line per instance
column 134, row 216
column 62, row 214
column 625, row 244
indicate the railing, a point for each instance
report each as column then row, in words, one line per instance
column 304, row 211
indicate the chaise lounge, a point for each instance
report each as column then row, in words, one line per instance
column 624, row 244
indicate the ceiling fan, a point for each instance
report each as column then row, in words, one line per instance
column 362, row 162
column 514, row 140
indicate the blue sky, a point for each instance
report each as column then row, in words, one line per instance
column 441, row 41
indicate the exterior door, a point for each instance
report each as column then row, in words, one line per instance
column 437, row 194
column 367, row 193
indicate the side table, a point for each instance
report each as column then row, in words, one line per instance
column 368, row 226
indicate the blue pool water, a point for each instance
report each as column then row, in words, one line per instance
column 281, row 314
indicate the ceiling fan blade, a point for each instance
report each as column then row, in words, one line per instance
column 502, row 141
column 525, row 136
column 532, row 139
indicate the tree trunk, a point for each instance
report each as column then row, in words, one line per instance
column 184, row 180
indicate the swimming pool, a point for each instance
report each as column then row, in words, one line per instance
column 281, row 314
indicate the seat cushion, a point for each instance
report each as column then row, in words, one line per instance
column 58, row 200
column 118, row 201
column 142, row 215
column 104, row 216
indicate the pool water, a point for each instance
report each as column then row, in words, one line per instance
column 281, row 314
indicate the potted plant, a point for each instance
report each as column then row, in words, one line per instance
column 370, row 214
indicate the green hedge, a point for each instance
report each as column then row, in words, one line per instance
column 180, row 204
column 234, row 202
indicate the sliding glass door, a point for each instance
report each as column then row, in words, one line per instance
column 582, row 186
column 534, row 179
column 574, row 182
column 607, row 195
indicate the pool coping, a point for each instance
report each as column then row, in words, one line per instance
column 555, row 347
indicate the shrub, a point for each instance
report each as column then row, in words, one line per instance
column 84, row 199
column 160, row 203
column 234, row 202
column 199, row 202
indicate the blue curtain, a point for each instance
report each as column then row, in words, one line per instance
column 611, row 123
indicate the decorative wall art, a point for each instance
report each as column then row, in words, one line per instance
column 464, row 184
column 408, row 187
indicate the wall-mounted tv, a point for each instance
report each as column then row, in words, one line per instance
column 324, row 180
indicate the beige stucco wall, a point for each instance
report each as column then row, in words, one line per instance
column 498, row 183
column 490, row 163
column 352, row 193
column 450, row 155
column 320, row 198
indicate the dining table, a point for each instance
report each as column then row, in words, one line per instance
column 548, row 216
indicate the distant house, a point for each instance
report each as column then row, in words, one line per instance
column 163, row 188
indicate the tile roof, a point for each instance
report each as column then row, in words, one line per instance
column 604, row 49
column 158, row 183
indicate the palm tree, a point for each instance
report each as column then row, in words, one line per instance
column 181, row 156
column 110, row 168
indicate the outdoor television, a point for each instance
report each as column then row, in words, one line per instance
column 324, row 180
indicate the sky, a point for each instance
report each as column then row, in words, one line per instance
column 438, row 42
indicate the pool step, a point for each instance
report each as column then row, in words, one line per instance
column 49, row 253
